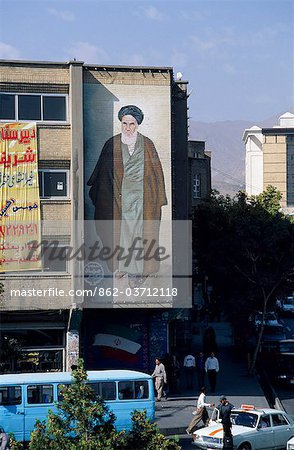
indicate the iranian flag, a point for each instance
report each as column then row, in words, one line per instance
column 119, row 343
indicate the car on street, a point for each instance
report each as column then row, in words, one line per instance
column 273, row 333
column 278, row 361
column 290, row 444
column 252, row 429
column 286, row 306
column 270, row 318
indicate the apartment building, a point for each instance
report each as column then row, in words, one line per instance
column 269, row 159
column 200, row 171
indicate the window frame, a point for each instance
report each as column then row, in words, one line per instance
column 41, row 95
column 9, row 387
column 40, row 389
column 55, row 197
column 98, row 388
column 134, row 390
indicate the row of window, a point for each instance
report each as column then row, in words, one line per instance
column 44, row 393
column 36, row 107
column 196, row 186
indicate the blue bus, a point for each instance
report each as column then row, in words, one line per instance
column 26, row 397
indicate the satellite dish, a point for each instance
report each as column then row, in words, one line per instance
column 179, row 76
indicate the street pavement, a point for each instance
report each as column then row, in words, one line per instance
column 174, row 414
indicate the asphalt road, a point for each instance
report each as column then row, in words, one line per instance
column 286, row 394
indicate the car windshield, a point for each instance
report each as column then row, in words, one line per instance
column 246, row 419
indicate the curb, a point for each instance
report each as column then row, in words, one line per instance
column 269, row 391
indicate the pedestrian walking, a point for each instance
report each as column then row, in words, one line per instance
column 200, row 413
column 212, row 368
column 225, row 408
column 159, row 375
column 200, row 369
column 189, row 368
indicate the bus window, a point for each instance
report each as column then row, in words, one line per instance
column 60, row 389
column 105, row 390
column 126, row 390
column 141, row 389
column 40, row 393
column 10, row 395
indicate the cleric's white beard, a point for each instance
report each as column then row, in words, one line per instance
column 129, row 140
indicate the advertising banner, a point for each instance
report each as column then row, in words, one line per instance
column 20, row 226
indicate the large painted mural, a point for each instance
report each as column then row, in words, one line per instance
column 127, row 129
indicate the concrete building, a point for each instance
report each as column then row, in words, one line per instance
column 75, row 108
column 269, row 159
column 199, row 172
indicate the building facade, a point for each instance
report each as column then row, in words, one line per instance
column 199, row 172
column 76, row 111
column 269, row 159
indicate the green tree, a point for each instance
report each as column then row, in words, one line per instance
column 145, row 435
column 246, row 247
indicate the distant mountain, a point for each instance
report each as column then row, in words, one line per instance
column 224, row 139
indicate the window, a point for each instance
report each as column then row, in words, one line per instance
column 53, row 183
column 10, row 395
column 264, row 422
column 105, row 390
column 54, row 108
column 278, row 420
column 39, row 107
column 42, row 393
column 133, row 390
column 196, row 186
column 55, row 256
column 60, row 389
column 7, row 107
column 29, row 107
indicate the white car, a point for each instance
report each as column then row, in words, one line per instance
column 270, row 318
column 290, row 444
column 252, row 429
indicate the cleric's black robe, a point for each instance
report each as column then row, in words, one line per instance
column 105, row 193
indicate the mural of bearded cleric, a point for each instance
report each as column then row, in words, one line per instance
column 128, row 191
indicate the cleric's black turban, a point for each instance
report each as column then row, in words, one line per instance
column 131, row 110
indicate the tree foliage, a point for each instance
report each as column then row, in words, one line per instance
column 246, row 247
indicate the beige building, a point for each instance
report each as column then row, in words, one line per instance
column 270, row 159
column 49, row 94
column 75, row 107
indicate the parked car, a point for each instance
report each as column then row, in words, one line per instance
column 290, row 444
column 286, row 306
column 270, row 318
column 278, row 361
column 252, row 428
column 272, row 333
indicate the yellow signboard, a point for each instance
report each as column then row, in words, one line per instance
column 20, row 224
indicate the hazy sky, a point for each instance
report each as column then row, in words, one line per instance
column 236, row 55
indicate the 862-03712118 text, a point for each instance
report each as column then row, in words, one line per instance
column 137, row 292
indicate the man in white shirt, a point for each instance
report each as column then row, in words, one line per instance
column 212, row 368
column 200, row 413
column 189, row 368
